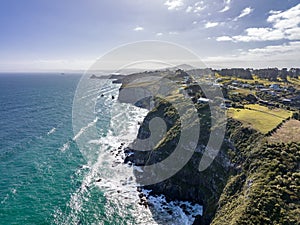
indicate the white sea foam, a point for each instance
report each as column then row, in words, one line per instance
column 117, row 179
column 65, row 147
column 51, row 131
column 12, row 192
column 83, row 129
column 165, row 212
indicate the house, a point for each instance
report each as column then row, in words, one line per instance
column 217, row 85
column 226, row 104
column 262, row 102
column 286, row 100
column 246, row 85
column 275, row 87
column 203, row 100
column 259, row 86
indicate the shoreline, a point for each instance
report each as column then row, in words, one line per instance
column 148, row 198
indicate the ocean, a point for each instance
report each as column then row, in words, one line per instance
column 45, row 178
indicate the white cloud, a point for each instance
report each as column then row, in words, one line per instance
column 138, row 28
column 284, row 25
column 189, row 9
column 293, row 33
column 226, row 6
column 287, row 19
column 224, row 38
column 195, row 22
column 199, row 6
column 159, row 34
column 211, row 24
column 174, row 4
column 274, row 12
column 196, row 8
column 259, row 34
column 276, row 49
column 245, row 12
column 285, row 55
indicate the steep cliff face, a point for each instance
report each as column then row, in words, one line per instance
column 189, row 183
column 249, row 182
column 265, row 189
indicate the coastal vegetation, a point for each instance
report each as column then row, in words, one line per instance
column 255, row 178
column 266, row 190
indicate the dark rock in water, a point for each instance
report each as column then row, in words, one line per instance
column 169, row 211
column 112, row 97
column 188, row 184
column 99, row 180
column 102, row 95
column 129, row 159
column 198, row 220
column 127, row 150
column 141, row 195
column 143, row 202
column 118, row 191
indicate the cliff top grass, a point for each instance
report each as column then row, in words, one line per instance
column 259, row 117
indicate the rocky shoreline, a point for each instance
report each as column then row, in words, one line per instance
column 226, row 189
column 188, row 184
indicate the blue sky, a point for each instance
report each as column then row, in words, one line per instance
column 70, row 35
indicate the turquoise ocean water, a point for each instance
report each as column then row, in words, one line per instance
column 45, row 179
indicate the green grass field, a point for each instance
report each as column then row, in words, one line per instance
column 259, row 117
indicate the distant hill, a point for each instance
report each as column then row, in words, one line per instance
column 184, row 67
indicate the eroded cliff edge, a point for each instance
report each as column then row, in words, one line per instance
column 189, row 184
column 249, row 182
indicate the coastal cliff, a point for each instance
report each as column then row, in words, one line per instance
column 227, row 189
column 189, row 184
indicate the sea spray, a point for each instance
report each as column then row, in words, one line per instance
column 114, row 180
